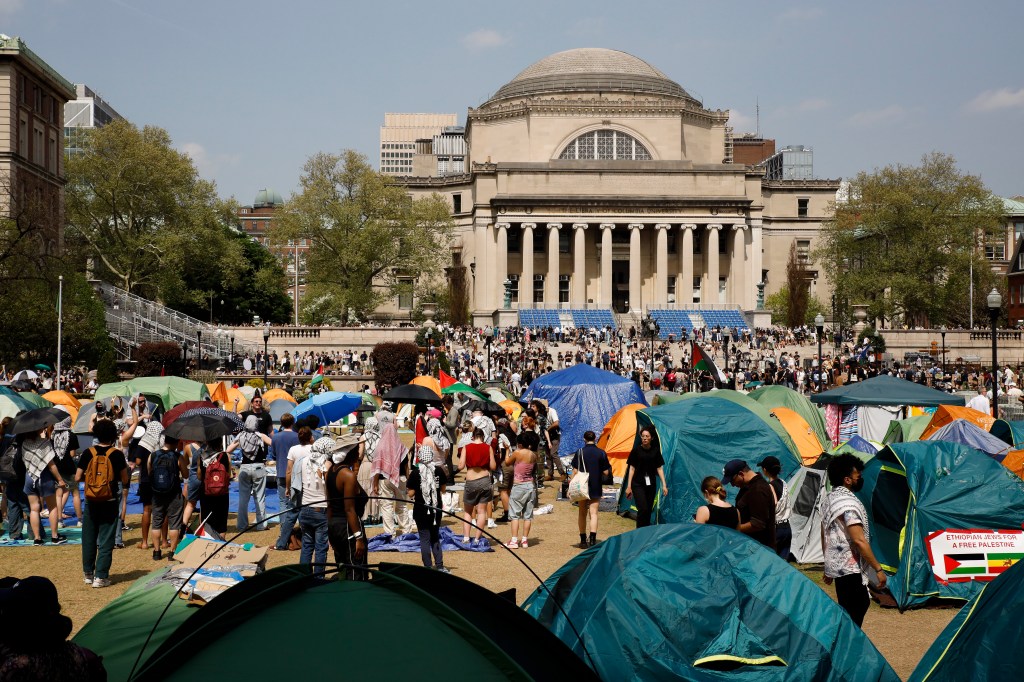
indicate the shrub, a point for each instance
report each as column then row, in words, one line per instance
column 394, row 364
column 152, row 358
column 255, row 383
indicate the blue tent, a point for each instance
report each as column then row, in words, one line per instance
column 700, row 602
column 585, row 398
column 971, row 435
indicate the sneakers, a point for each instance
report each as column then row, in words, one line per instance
column 442, row 569
column 157, row 555
column 88, row 577
column 119, row 545
column 491, row 523
column 503, row 518
column 170, row 556
column 100, row 582
column 524, row 543
column 39, row 543
column 124, row 527
column 59, row 540
column 512, row 544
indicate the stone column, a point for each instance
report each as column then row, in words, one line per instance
column 526, row 278
column 551, row 279
column 661, row 264
column 634, row 267
column 501, row 255
column 756, row 263
column 711, row 294
column 737, row 277
column 606, row 263
column 685, row 288
column 579, row 264
column 481, row 285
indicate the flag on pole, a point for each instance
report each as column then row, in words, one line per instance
column 445, row 379
column 209, row 533
column 701, row 361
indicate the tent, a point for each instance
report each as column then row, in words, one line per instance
column 234, row 394
column 800, row 431
column 65, row 400
column 36, row 399
column 756, row 408
column 886, row 390
column 12, row 403
column 617, row 437
column 455, row 623
column 1011, row 432
column 585, row 398
column 218, row 392
column 166, row 392
column 906, row 430
column 698, row 436
column 971, row 435
column 278, row 394
column 780, row 396
column 428, row 382
column 946, row 414
column 278, row 408
column 983, row 641
column 701, row 602
column 857, row 446
column 924, row 501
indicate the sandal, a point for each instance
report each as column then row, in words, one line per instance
column 512, row 544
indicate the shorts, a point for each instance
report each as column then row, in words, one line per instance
column 507, row 474
column 167, row 506
column 477, row 491
column 195, row 490
column 45, row 486
column 145, row 493
column 520, row 503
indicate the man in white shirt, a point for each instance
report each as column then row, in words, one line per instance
column 981, row 402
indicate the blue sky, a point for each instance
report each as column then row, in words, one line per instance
column 252, row 88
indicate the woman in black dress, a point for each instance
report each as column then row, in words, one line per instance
column 346, row 502
column 717, row 512
column 646, row 467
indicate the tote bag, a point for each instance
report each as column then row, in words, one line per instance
column 579, row 486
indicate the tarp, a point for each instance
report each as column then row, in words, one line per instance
column 585, row 398
column 946, row 414
column 218, row 393
column 617, row 437
column 166, row 392
column 983, row 641
column 886, row 390
column 780, row 396
column 906, row 430
column 697, row 437
column 701, row 602
column 971, row 435
column 800, row 431
column 914, row 490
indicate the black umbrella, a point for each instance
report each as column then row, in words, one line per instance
column 38, row 419
column 485, row 406
column 412, row 394
column 200, row 427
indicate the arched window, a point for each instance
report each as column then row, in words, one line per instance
column 605, row 145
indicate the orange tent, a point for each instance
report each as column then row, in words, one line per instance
column 229, row 402
column 1014, row 461
column 278, row 394
column 945, row 414
column 802, row 434
column 512, row 408
column 67, row 400
column 218, row 393
column 428, row 382
column 617, row 437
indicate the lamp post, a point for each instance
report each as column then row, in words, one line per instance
column 942, row 333
column 266, row 340
column 184, row 358
column 428, row 352
column 60, row 323
column 726, row 332
column 995, row 304
column 819, row 324
column 199, row 349
column 231, row 335
column 487, row 342
column 651, row 327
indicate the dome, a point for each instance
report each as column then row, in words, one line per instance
column 590, row 70
column 267, row 198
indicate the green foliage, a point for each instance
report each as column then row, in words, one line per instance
column 366, row 236
column 443, row 363
column 875, row 340
column 256, row 383
column 797, row 288
column 152, row 358
column 394, row 364
column 106, row 371
column 778, row 305
column 905, row 240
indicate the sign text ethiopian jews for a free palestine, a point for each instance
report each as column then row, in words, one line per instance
column 960, row 555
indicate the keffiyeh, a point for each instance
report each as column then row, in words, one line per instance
column 62, row 436
column 428, row 476
column 249, row 440
column 388, row 455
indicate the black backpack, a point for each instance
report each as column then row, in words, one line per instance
column 164, row 477
column 8, row 461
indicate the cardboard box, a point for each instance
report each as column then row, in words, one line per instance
column 197, row 551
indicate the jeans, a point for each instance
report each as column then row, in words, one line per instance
column 98, row 529
column 313, row 522
column 17, row 508
column 288, row 516
column 119, row 530
column 252, row 482
column 430, row 544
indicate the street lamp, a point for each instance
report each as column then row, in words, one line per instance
column 199, row 348
column 725, row 345
column 651, row 326
column 266, row 340
column 428, row 352
column 184, row 358
column 819, row 323
column 942, row 332
column 488, row 339
column 995, row 304
column 231, row 335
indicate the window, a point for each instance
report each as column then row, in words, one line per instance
column 515, row 239
column 563, row 288
column 38, row 144
column 605, row 145
column 563, row 241
column 995, row 251
column 801, row 208
column 23, row 134
column 696, row 290
column 405, row 293
column 538, row 288
column 514, row 289
column 803, row 250
column 672, row 289
column 721, row 290
column 1018, row 231
column 456, row 203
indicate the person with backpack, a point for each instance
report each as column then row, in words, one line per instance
column 139, row 453
column 166, row 468
column 252, row 475
column 215, row 476
column 41, row 482
column 104, row 471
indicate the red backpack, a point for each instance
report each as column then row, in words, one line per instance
column 217, row 478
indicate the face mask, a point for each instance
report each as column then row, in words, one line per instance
column 857, row 486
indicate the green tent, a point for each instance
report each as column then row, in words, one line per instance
column 917, row 495
column 36, row 399
column 12, row 404
column 906, row 430
column 886, row 390
column 761, row 411
column 444, row 621
column 780, row 396
column 701, row 602
column 164, row 391
column 698, row 436
column 983, row 641
column 1010, row 432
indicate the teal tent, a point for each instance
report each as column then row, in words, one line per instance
column 12, row 404
column 906, row 430
column 700, row 602
column 1011, row 432
column 337, row 627
column 780, row 396
column 699, row 435
column 914, row 493
column 886, row 390
column 983, row 642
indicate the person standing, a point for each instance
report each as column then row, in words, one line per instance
column 594, row 461
column 41, row 482
column 65, row 443
column 717, row 512
column 524, row 462
column 981, row 402
column 426, row 483
column 14, row 486
column 166, row 468
column 477, row 459
column 346, row 502
column 771, row 468
column 756, row 502
column 280, row 443
column 252, row 474
column 646, row 467
column 104, row 470
column 846, row 539
column 313, row 514
column 388, row 483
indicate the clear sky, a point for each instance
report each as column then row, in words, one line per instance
column 252, row 88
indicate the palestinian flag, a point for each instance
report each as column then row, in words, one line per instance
column 965, row 564
column 317, row 378
column 700, row 360
column 445, row 379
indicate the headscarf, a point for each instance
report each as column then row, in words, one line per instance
column 371, row 429
column 321, row 449
column 389, row 451
column 428, row 476
column 36, row 453
column 62, row 436
column 439, row 434
column 249, row 440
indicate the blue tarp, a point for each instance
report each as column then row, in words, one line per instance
column 971, row 435
column 585, row 398
column 410, row 542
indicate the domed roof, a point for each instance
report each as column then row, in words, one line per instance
column 590, row 69
column 267, row 198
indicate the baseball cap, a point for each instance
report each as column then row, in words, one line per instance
column 732, row 467
column 770, row 460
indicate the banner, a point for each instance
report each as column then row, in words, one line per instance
column 962, row 555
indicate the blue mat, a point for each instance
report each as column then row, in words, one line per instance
column 74, row 536
column 410, row 542
column 273, row 507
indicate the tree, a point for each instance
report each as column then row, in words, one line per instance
column 905, row 240
column 394, row 364
column 367, row 237
column 778, row 305
column 796, row 288
column 138, row 211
